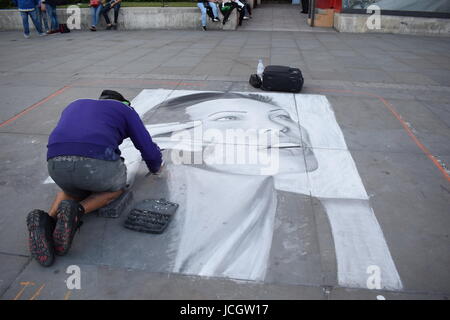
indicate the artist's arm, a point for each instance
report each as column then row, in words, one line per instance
column 142, row 140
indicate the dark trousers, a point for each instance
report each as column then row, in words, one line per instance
column 106, row 9
column 227, row 13
column 305, row 5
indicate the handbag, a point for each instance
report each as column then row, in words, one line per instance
column 94, row 3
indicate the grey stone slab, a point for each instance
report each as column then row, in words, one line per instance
column 440, row 110
column 255, row 52
column 295, row 254
column 441, row 76
column 343, row 53
column 411, row 78
column 172, row 70
column 426, row 125
column 213, row 69
column 10, row 269
column 103, row 282
column 15, row 99
column 410, row 199
column 135, row 67
column 24, row 169
column 182, row 62
column 368, row 125
column 327, row 73
column 369, row 75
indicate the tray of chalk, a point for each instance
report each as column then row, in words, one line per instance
column 151, row 216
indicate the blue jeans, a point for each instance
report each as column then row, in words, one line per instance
column 106, row 9
column 42, row 16
column 34, row 17
column 203, row 10
column 51, row 11
column 95, row 14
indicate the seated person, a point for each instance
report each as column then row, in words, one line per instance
column 108, row 6
column 203, row 6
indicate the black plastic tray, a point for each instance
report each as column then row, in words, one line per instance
column 151, row 216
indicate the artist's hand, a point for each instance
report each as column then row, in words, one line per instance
column 160, row 170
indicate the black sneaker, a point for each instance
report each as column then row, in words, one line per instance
column 40, row 226
column 204, row 28
column 68, row 221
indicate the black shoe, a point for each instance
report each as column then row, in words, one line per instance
column 40, row 226
column 68, row 221
column 204, row 28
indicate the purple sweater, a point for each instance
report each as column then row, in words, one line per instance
column 96, row 128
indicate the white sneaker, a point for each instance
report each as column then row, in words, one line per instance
column 245, row 18
column 27, row 36
column 42, row 34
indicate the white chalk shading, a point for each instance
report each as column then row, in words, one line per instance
column 48, row 180
column 359, row 240
column 224, row 237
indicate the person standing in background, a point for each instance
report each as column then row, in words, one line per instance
column 305, row 6
column 42, row 16
column 50, row 6
column 27, row 8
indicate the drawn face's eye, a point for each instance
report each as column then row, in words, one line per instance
column 227, row 118
column 283, row 117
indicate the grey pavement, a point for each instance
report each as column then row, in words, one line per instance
column 376, row 83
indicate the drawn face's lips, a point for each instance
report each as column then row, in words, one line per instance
column 283, row 145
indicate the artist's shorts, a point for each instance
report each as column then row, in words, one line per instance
column 80, row 176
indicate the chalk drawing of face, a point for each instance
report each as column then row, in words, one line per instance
column 223, row 112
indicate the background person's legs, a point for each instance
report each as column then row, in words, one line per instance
column 214, row 9
column 36, row 21
column 26, row 26
column 51, row 11
column 42, row 15
column 116, row 12
column 203, row 10
column 104, row 13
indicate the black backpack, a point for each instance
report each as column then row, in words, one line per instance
column 281, row 78
column 63, row 28
column 255, row 81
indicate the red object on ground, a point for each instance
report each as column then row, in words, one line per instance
column 329, row 4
